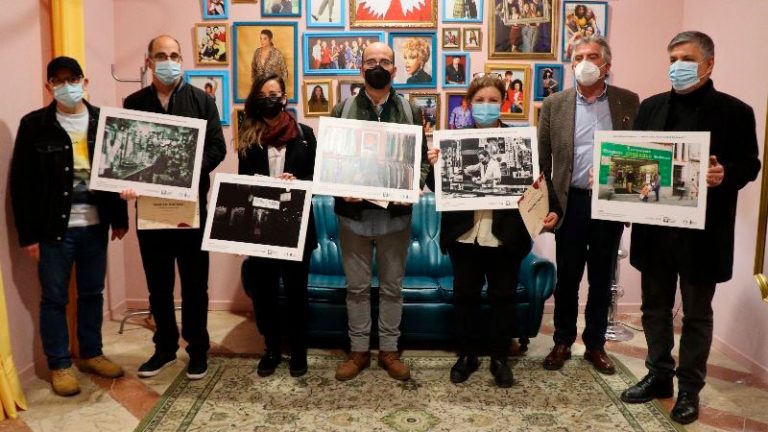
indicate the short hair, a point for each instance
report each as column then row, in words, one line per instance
column 605, row 49
column 483, row 81
column 152, row 43
column 702, row 40
column 484, row 152
column 419, row 46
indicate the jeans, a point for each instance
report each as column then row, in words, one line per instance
column 87, row 248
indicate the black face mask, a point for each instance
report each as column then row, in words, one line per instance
column 377, row 77
column 269, row 107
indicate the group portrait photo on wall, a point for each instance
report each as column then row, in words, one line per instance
column 215, row 83
column 215, row 9
column 281, row 8
column 548, row 80
column 523, row 29
column 336, row 53
column 472, row 39
column 318, row 97
column 462, row 11
column 582, row 19
column 211, row 44
column 415, row 60
column 263, row 48
column 258, row 216
column 484, row 169
column 655, row 178
column 456, row 71
column 393, row 13
column 517, row 85
column 458, row 113
column 430, row 109
column 326, row 13
column 155, row 154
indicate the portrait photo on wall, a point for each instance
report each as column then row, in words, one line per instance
column 216, row 85
column 517, row 85
column 456, row 72
column 265, row 48
column 280, row 8
column 430, row 109
column 336, row 53
column 238, row 118
column 349, row 87
column 472, row 39
column 215, row 9
column 464, row 11
column 451, row 38
column 211, row 44
column 536, row 114
column 326, row 13
column 580, row 19
column 523, row 29
column 458, row 113
column 393, row 13
column 318, row 97
column 548, row 80
column 415, row 59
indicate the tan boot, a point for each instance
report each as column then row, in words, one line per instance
column 64, row 382
column 101, row 366
column 390, row 360
column 351, row 367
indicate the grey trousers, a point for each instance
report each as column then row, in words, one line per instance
column 357, row 257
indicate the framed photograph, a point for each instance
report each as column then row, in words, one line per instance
column 368, row 159
column 245, row 1
column 318, row 97
column 462, row 11
column 262, row 48
column 415, row 59
column 582, row 18
column 472, row 39
column 292, row 111
column 484, row 169
column 326, row 13
column 238, row 118
column 391, row 13
column 458, row 114
column 280, row 8
column 549, row 80
column 517, row 85
column 523, row 29
column 430, row 109
column 211, row 44
column 536, row 114
column 158, row 155
column 456, row 72
column 349, row 87
column 656, row 178
column 451, row 38
column 216, row 85
column 215, row 9
column 258, row 216
column 336, row 53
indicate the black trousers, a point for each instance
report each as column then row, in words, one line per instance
column 472, row 266
column 582, row 240
column 261, row 281
column 160, row 250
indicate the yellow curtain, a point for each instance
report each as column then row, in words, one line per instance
column 11, row 394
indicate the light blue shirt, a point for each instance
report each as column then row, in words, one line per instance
column 590, row 117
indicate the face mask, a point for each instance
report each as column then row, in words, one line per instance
column 269, row 107
column 377, row 77
column 486, row 113
column 68, row 94
column 587, row 73
column 168, row 72
column 683, row 74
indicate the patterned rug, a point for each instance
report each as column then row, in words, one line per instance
column 233, row 397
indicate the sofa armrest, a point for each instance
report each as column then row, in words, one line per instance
column 537, row 274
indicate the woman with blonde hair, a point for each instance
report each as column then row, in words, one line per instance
column 416, row 52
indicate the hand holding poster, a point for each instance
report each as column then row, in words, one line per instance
column 534, row 206
column 160, row 213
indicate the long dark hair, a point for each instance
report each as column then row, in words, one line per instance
column 253, row 127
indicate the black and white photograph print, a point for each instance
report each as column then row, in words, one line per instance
column 258, row 216
column 155, row 154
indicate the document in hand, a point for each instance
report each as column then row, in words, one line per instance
column 534, row 206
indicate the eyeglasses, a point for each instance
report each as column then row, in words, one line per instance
column 371, row 63
column 270, row 95
column 488, row 74
column 55, row 81
column 164, row 57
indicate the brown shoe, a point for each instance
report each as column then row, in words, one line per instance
column 557, row 357
column 101, row 366
column 390, row 361
column 351, row 367
column 64, row 382
column 600, row 360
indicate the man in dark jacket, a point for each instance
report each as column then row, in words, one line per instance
column 61, row 221
column 700, row 258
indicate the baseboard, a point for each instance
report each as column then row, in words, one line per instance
column 756, row 369
column 628, row 308
column 213, row 305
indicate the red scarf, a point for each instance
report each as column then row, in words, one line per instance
column 286, row 130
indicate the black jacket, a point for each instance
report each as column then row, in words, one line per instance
column 733, row 140
column 41, row 178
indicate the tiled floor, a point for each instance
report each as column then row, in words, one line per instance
column 733, row 400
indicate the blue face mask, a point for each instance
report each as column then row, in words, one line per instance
column 68, row 94
column 486, row 113
column 168, row 72
column 683, row 74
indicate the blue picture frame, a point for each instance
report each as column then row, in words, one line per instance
column 447, row 6
column 465, row 63
column 420, row 78
column 221, row 92
column 312, row 65
column 210, row 14
column 236, row 63
column 568, row 28
column 341, row 22
column 295, row 9
column 558, row 75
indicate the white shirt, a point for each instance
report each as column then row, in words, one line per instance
column 276, row 160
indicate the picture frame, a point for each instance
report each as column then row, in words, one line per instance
column 451, row 38
column 472, row 39
column 212, row 44
column 514, row 106
column 548, row 79
column 462, row 11
column 215, row 9
column 536, row 114
column 429, row 102
column 245, row 1
column 512, row 36
column 318, row 46
column 318, row 96
column 379, row 14
column 238, row 118
column 456, row 115
column 456, row 74
column 317, row 10
column 420, row 68
column 595, row 15
column 348, row 87
column 281, row 8
column 216, row 84
column 247, row 38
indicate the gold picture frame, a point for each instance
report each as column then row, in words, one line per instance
column 362, row 17
column 238, row 118
column 503, row 28
column 430, row 114
column 466, row 44
column 514, row 106
column 761, row 266
column 536, row 114
column 445, row 37
column 208, row 47
column 317, row 104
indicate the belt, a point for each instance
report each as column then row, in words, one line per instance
column 580, row 192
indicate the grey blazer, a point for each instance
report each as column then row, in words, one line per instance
column 556, row 127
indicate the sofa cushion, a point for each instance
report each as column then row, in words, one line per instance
column 446, row 288
column 416, row 289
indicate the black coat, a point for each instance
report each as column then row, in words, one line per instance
column 709, row 256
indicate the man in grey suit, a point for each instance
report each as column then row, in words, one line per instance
column 567, row 127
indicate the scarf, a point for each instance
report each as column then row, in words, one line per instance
column 286, row 130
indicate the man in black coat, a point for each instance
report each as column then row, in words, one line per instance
column 700, row 258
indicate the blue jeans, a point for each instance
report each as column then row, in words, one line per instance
column 87, row 248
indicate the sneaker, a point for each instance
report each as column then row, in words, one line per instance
column 351, row 367
column 390, row 361
column 155, row 364
column 101, row 366
column 64, row 382
column 268, row 363
column 197, row 367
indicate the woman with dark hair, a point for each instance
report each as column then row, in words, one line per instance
column 272, row 143
column 317, row 102
column 267, row 59
column 548, row 83
column 515, row 96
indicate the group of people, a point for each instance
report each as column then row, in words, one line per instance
column 484, row 246
column 346, row 54
column 213, row 46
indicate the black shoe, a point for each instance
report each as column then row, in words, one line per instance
column 155, row 364
column 463, row 368
column 268, row 363
column 649, row 388
column 315, row 18
column 297, row 365
column 686, row 409
column 197, row 367
column 501, row 372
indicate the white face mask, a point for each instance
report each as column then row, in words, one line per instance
column 587, row 73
